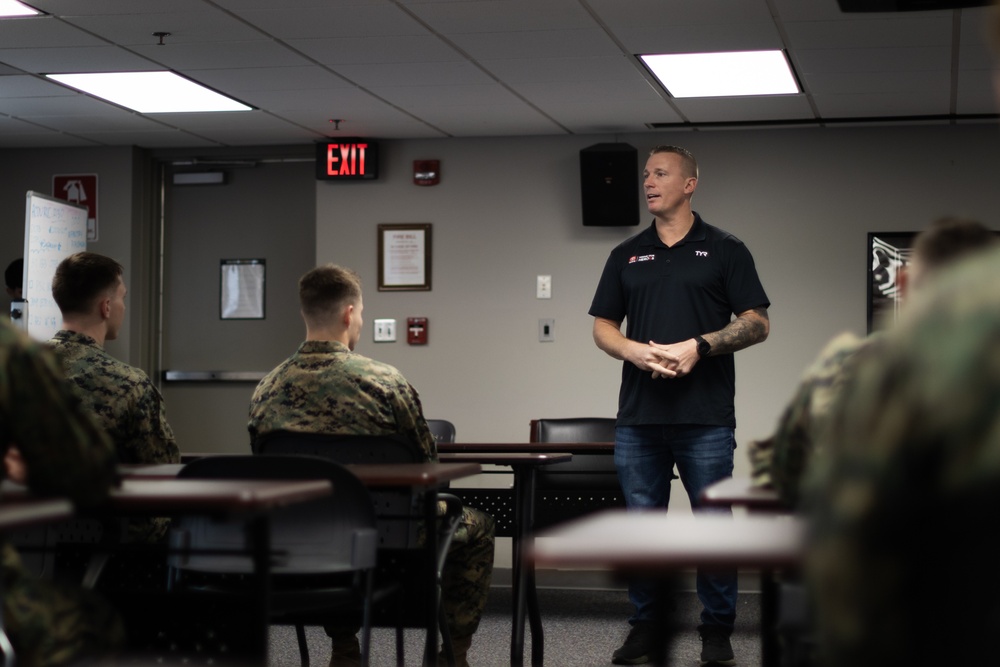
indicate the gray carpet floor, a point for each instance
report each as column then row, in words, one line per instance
column 582, row 628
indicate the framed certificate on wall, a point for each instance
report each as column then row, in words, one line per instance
column 404, row 257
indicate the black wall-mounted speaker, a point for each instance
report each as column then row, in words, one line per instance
column 609, row 185
column 907, row 5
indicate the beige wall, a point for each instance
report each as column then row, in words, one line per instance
column 22, row 170
column 508, row 209
column 803, row 200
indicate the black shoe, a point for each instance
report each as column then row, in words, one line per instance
column 636, row 649
column 715, row 646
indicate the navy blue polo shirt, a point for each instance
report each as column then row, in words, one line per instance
column 670, row 294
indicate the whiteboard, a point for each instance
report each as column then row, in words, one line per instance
column 53, row 230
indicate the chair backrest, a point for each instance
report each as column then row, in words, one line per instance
column 325, row 536
column 343, row 449
column 585, row 471
column 442, row 430
column 396, row 508
column 573, row 429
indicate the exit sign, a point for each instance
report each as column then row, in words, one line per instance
column 352, row 159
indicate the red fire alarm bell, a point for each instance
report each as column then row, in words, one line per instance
column 416, row 330
column 426, row 172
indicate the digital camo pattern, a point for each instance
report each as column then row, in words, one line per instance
column 122, row 399
column 66, row 454
column 326, row 388
column 127, row 405
column 901, row 563
column 780, row 461
column 53, row 624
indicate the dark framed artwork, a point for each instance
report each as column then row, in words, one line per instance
column 888, row 253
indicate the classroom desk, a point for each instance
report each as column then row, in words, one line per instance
column 29, row 511
column 524, row 572
column 149, row 470
column 740, row 491
column 250, row 500
column 656, row 545
column 420, row 476
column 525, row 595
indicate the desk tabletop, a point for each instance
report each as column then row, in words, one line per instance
column 145, row 494
column 741, row 491
column 421, row 475
column 416, row 475
column 506, row 458
column 166, row 495
column 537, row 447
column 30, row 511
column 655, row 542
column 149, row 470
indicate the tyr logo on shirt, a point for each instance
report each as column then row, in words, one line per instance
column 701, row 253
column 641, row 258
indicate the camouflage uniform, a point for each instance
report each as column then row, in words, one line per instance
column 326, row 388
column 780, row 461
column 127, row 405
column 65, row 454
column 901, row 562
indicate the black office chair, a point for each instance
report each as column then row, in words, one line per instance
column 442, row 430
column 323, row 552
column 586, row 484
column 399, row 518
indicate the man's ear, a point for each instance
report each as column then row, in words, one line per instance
column 104, row 307
column 345, row 318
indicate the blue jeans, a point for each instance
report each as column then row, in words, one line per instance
column 645, row 457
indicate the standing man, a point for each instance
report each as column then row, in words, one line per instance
column 90, row 292
column 327, row 388
column 678, row 284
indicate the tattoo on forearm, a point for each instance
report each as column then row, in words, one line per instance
column 744, row 331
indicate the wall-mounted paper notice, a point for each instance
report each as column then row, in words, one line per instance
column 241, row 289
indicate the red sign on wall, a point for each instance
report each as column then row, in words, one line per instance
column 79, row 189
column 349, row 159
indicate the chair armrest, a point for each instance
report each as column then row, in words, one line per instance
column 447, row 525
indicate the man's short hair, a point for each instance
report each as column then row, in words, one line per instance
column 687, row 159
column 324, row 291
column 950, row 238
column 81, row 279
column 13, row 277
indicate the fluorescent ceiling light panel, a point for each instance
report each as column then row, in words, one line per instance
column 9, row 8
column 150, row 92
column 724, row 74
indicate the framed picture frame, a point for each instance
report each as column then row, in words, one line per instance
column 241, row 289
column 888, row 253
column 404, row 256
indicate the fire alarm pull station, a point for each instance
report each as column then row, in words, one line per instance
column 416, row 330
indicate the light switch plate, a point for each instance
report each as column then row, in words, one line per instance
column 385, row 331
column 543, row 289
column 546, row 330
